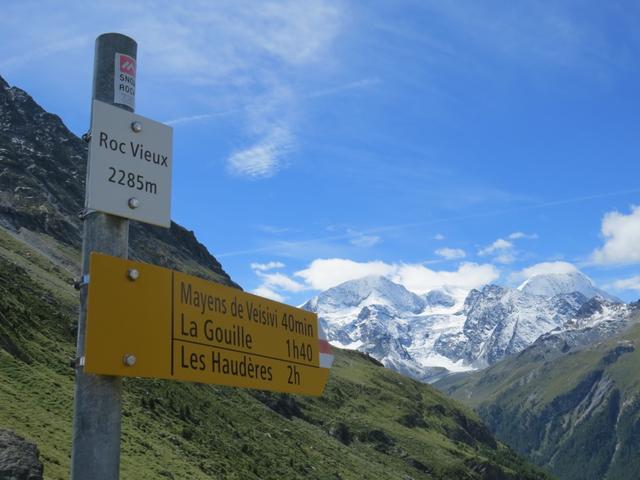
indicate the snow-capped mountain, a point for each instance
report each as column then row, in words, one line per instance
column 377, row 316
column 501, row 321
column 371, row 290
column 551, row 284
column 428, row 336
column 597, row 319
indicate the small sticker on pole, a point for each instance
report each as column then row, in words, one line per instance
column 124, row 81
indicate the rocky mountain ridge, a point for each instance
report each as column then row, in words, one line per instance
column 571, row 400
column 42, row 175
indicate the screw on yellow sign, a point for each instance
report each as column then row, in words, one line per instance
column 148, row 321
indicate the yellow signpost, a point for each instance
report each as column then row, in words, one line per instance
column 148, row 321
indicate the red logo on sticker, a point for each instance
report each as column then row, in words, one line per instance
column 127, row 65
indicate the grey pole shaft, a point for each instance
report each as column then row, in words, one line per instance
column 97, row 404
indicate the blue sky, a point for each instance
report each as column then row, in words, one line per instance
column 439, row 143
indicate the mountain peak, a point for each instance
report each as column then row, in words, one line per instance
column 550, row 284
column 365, row 291
column 374, row 281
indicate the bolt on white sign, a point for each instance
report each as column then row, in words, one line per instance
column 124, row 80
column 130, row 162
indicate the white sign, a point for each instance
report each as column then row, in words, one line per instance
column 124, row 80
column 130, row 161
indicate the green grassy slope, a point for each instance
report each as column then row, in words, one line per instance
column 576, row 412
column 371, row 423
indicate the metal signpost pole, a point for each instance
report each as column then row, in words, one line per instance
column 97, row 404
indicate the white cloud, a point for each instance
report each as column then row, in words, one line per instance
column 505, row 258
column 365, row 240
column 220, row 58
column 451, row 253
column 326, row 273
column 48, row 49
column 363, row 83
column 366, row 82
column 263, row 159
column 420, row 279
column 295, row 31
column 263, row 267
column 519, row 235
column 498, row 245
column 189, row 118
column 273, row 229
column 210, row 41
column 199, row 117
column 539, row 35
column 632, row 283
column 360, row 239
column 622, row 238
column 320, row 242
column 272, row 283
column 268, row 293
column 281, row 281
column 439, row 237
column 504, row 250
column 544, row 268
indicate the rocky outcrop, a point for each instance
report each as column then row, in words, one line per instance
column 18, row 458
column 42, row 175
